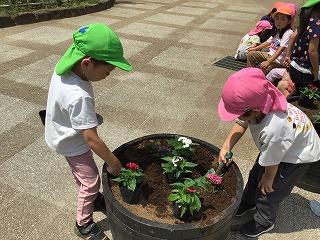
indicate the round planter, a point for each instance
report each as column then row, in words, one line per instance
column 311, row 179
column 305, row 101
column 126, row 225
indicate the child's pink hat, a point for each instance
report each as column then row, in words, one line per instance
column 249, row 88
column 294, row 12
column 260, row 26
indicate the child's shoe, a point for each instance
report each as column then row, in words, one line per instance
column 99, row 203
column 90, row 231
column 254, row 229
column 315, row 207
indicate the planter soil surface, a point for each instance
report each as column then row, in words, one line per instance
column 154, row 204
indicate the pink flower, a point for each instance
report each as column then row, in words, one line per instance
column 132, row 166
column 214, row 178
column 191, row 190
column 313, row 87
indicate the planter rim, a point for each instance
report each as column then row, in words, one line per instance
column 121, row 208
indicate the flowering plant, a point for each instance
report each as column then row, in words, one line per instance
column 181, row 146
column 186, row 196
column 130, row 176
column 160, row 150
column 310, row 91
column 211, row 179
column 177, row 165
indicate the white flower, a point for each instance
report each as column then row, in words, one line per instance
column 176, row 159
column 186, row 141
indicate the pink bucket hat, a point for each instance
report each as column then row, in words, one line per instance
column 249, row 88
column 294, row 12
column 260, row 26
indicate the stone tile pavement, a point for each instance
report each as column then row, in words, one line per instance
column 174, row 88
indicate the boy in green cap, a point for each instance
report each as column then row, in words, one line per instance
column 70, row 125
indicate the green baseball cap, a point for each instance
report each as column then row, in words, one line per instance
column 97, row 41
column 310, row 3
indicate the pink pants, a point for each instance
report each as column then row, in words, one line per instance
column 86, row 174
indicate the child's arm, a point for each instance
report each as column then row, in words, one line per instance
column 100, row 148
column 267, row 179
column 235, row 133
column 254, row 45
column 259, row 47
column 290, row 48
column 314, row 56
column 272, row 58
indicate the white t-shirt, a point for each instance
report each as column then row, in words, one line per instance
column 285, row 137
column 70, row 110
column 277, row 42
column 245, row 43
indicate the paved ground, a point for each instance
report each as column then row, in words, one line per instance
column 174, row 88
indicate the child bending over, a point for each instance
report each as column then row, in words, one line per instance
column 285, row 136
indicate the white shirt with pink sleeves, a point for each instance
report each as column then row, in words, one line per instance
column 277, row 42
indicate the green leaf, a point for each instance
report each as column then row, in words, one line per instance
column 211, row 171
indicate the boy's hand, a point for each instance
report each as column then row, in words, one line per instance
column 266, row 184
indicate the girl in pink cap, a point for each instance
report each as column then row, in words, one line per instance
column 284, row 135
column 277, row 43
column 253, row 38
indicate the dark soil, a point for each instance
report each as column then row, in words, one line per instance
column 154, row 204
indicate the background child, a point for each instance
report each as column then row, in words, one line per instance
column 70, row 127
column 269, row 16
column 285, row 85
column 285, row 136
column 303, row 48
column 253, row 38
column 278, row 43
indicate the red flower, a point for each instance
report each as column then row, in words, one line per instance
column 313, row 87
column 133, row 166
column 191, row 190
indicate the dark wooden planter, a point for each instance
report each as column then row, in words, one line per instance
column 311, row 179
column 305, row 101
column 125, row 225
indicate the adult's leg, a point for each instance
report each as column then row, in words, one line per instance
column 86, row 174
